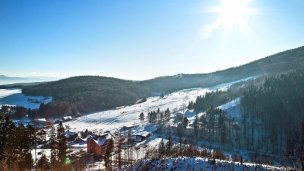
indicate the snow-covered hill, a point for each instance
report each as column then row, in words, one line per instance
column 129, row 115
column 197, row 164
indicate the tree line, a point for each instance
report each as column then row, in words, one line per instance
column 273, row 116
column 18, row 141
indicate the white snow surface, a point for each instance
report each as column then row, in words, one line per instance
column 232, row 108
column 129, row 115
column 14, row 97
column 230, row 104
column 198, row 164
column 7, row 92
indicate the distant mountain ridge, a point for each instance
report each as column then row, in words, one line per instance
column 274, row 64
column 93, row 93
column 13, row 80
column 10, row 78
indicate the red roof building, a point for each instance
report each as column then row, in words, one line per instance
column 98, row 146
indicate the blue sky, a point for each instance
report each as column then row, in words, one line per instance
column 136, row 39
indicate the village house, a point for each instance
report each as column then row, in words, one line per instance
column 67, row 118
column 79, row 140
column 140, row 136
column 70, row 135
column 98, row 146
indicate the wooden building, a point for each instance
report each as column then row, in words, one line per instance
column 98, row 146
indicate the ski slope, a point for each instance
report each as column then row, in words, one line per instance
column 129, row 115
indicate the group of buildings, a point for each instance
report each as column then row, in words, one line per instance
column 97, row 143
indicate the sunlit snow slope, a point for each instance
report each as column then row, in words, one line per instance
column 129, row 115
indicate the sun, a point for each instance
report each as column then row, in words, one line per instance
column 230, row 14
column 234, row 12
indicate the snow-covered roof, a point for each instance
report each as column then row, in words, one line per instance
column 67, row 118
column 78, row 138
column 40, row 120
column 101, row 141
column 88, row 137
column 142, row 133
column 69, row 133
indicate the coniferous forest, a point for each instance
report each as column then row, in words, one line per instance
column 273, row 115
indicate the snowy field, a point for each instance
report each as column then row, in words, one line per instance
column 129, row 115
column 16, row 98
column 197, row 164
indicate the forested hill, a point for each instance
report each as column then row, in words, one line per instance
column 274, row 64
column 94, row 93
column 87, row 94
column 273, row 115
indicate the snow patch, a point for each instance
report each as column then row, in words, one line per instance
column 14, row 97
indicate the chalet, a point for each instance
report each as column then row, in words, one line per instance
column 67, row 118
column 88, row 138
column 70, row 135
column 98, row 146
column 126, row 128
column 56, row 121
column 79, row 140
column 138, row 137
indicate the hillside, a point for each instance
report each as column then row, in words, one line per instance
column 87, row 94
column 93, row 93
column 274, row 64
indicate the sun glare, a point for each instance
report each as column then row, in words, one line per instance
column 230, row 14
column 234, row 12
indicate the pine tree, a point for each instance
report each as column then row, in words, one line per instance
column 62, row 143
column 180, row 130
column 169, row 144
column 167, row 114
column 108, row 152
column 161, row 148
column 3, row 135
column 195, row 126
column 24, row 147
column 185, row 122
column 142, row 117
column 120, row 140
column 222, row 128
column 8, row 144
column 53, row 146
column 43, row 163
